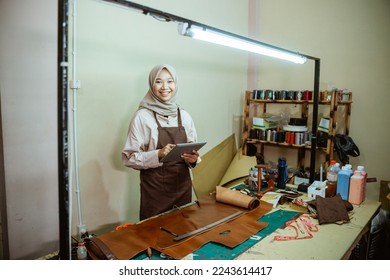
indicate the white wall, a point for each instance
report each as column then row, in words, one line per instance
column 28, row 83
column 352, row 40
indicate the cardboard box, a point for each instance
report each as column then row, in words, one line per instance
column 317, row 188
column 299, row 180
column 262, row 123
column 324, row 125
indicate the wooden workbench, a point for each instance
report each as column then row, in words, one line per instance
column 331, row 242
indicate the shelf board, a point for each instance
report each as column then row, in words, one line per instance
column 283, row 144
column 292, row 101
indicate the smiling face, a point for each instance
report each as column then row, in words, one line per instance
column 164, row 86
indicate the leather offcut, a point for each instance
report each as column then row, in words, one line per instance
column 126, row 243
column 331, row 209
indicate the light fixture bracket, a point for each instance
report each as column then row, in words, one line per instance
column 185, row 29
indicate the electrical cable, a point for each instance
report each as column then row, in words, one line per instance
column 74, row 155
column 70, row 171
column 75, row 136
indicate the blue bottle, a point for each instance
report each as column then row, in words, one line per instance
column 343, row 181
column 282, row 173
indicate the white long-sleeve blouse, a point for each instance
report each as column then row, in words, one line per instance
column 140, row 149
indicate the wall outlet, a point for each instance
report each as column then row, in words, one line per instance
column 81, row 230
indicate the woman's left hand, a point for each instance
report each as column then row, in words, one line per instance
column 191, row 158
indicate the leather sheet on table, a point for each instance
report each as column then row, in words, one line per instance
column 126, row 243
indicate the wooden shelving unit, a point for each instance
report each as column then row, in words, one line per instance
column 335, row 100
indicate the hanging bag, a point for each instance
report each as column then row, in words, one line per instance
column 345, row 147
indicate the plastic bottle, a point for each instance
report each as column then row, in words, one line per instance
column 252, row 181
column 343, row 181
column 331, row 177
column 364, row 173
column 337, row 167
column 356, row 188
column 82, row 251
column 282, row 173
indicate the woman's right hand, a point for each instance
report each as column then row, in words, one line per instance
column 165, row 150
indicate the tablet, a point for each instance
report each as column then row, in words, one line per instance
column 182, row 148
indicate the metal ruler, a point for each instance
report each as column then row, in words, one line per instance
column 188, row 234
column 171, row 211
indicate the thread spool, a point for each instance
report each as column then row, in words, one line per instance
column 277, row 94
column 298, row 138
column 254, row 92
column 269, row 135
column 264, row 135
column 291, row 140
column 299, row 95
column 269, row 94
column 290, row 95
column 280, row 136
column 273, row 136
column 307, row 95
column 261, row 94
column 282, row 95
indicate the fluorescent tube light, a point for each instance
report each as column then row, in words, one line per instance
column 238, row 43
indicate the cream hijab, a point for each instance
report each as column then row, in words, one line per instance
column 151, row 101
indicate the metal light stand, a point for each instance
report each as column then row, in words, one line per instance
column 63, row 172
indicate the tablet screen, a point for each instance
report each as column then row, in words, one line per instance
column 182, row 148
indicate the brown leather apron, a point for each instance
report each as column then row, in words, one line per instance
column 169, row 185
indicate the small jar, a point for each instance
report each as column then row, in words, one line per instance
column 82, row 251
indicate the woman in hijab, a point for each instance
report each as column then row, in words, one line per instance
column 155, row 128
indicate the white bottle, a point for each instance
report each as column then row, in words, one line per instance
column 348, row 166
column 364, row 173
column 82, row 251
column 337, row 167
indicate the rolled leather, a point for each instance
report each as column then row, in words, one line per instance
column 236, row 198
